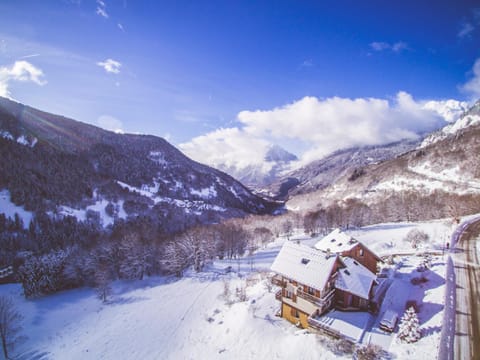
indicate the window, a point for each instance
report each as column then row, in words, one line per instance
column 294, row 312
column 360, row 252
column 311, row 291
column 288, row 294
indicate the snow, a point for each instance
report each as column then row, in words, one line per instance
column 100, row 207
column 337, row 241
column 169, row 318
column 8, row 208
column 355, row 278
column 304, row 264
column 196, row 207
column 158, row 157
column 6, row 135
column 446, row 174
column 351, row 324
column 451, row 129
column 22, row 139
column 389, row 238
column 206, row 193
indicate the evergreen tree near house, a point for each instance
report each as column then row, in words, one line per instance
column 409, row 328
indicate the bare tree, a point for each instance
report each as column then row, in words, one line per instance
column 416, row 237
column 287, row 228
column 10, row 325
column 102, row 282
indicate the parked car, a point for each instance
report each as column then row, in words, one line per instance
column 389, row 321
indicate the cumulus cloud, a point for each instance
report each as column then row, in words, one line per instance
column 102, row 9
column 20, row 71
column 110, row 123
column 334, row 123
column 473, row 85
column 231, row 147
column 110, row 66
column 320, row 126
column 396, row 47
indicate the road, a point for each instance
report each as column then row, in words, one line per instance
column 467, row 274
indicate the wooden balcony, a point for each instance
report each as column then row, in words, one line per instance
column 278, row 280
column 315, row 300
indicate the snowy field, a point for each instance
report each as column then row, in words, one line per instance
column 197, row 318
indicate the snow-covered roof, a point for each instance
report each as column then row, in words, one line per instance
column 355, row 278
column 336, row 242
column 304, row 264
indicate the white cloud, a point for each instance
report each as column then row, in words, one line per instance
column 465, row 30
column 102, row 9
column 120, row 26
column 473, row 85
column 231, row 147
column 29, row 56
column 110, row 66
column 399, row 46
column 20, row 71
column 396, row 47
column 307, row 63
column 111, row 123
column 450, row 109
column 334, row 123
column 320, row 126
column 379, row 46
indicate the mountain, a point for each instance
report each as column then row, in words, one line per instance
column 51, row 164
column 439, row 178
column 470, row 117
column 322, row 173
column 257, row 175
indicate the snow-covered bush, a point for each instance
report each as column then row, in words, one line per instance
column 416, row 238
column 369, row 352
column 409, row 328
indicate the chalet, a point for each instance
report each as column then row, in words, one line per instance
column 306, row 277
column 314, row 281
column 337, row 242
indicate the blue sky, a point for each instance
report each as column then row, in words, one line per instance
column 228, row 72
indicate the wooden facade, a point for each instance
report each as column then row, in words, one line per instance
column 363, row 255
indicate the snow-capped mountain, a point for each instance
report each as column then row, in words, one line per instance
column 324, row 172
column 51, row 164
column 469, row 117
column 276, row 162
column 439, row 179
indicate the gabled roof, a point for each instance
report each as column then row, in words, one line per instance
column 336, row 242
column 355, row 278
column 304, row 264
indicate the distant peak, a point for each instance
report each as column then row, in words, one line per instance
column 276, row 153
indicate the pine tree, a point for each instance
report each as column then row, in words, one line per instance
column 409, row 328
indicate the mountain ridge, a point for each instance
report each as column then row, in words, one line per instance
column 46, row 154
